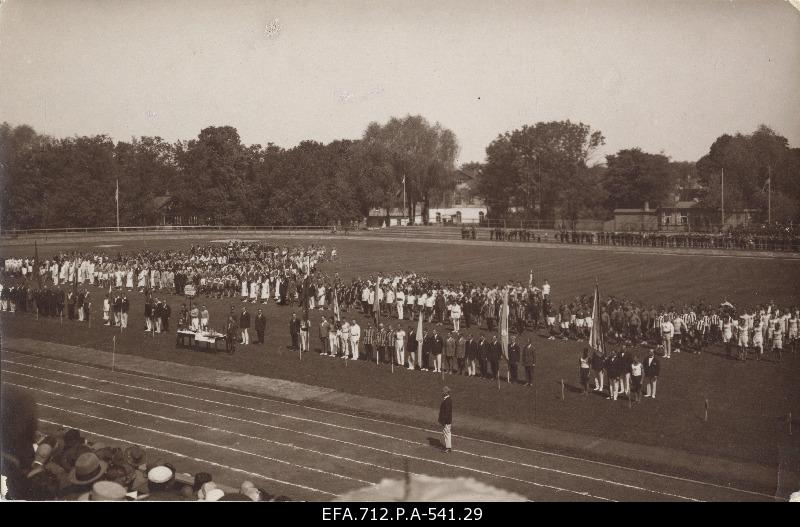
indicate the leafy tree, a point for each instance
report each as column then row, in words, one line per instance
column 633, row 177
column 422, row 153
column 749, row 162
column 544, row 164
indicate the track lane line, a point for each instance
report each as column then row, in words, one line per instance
column 344, row 414
column 349, row 443
column 185, row 456
column 185, row 438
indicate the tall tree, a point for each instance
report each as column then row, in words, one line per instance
column 422, row 153
column 539, row 168
column 634, row 177
column 752, row 164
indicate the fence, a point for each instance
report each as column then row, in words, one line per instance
column 173, row 228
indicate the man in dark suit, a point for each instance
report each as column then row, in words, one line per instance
column 244, row 326
column 261, row 326
column 446, row 419
column 483, row 356
column 495, row 352
column 294, row 331
column 652, row 369
column 324, row 329
column 514, row 356
column 427, row 348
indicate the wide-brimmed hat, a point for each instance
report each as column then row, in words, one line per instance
column 104, row 491
column 88, row 469
column 135, row 456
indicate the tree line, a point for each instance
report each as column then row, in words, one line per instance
column 542, row 171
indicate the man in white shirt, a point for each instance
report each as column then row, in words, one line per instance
column 667, row 330
column 366, row 298
column 389, row 301
column 400, row 346
column 345, row 340
column 400, row 298
column 455, row 314
column 355, row 337
column 546, row 289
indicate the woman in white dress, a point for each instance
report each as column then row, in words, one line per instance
column 142, row 279
column 129, row 280
column 54, row 273
column 118, row 277
column 321, row 296
column 64, row 271
column 264, row 289
column 244, row 288
column 254, row 286
column 277, row 289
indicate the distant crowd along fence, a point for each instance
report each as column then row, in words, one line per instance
column 11, row 233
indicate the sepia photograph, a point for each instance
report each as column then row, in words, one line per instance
column 400, row 259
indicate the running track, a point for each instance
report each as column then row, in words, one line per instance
column 308, row 453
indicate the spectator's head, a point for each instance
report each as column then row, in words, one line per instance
column 19, row 422
column 43, row 453
column 135, row 457
column 200, row 479
column 88, row 469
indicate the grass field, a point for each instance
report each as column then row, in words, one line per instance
column 749, row 402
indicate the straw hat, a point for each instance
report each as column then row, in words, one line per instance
column 104, row 491
column 160, row 474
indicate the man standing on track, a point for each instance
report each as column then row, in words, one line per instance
column 446, row 419
column 244, row 326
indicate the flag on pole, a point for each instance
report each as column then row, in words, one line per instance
column 420, row 339
column 376, row 306
column 504, row 325
column 596, row 336
column 116, row 193
column 530, row 279
column 336, row 312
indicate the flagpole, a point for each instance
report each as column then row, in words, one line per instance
column 404, row 194
column 722, row 198
column 117, row 199
column 769, row 195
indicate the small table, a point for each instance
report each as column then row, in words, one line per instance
column 209, row 338
column 182, row 335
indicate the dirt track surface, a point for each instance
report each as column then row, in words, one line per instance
column 309, row 453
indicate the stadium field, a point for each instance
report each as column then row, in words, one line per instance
column 749, row 402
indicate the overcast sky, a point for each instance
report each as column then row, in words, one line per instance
column 663, row 75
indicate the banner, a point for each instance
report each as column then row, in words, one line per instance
column 504, row 324
column 336, row 313
column 596, row 335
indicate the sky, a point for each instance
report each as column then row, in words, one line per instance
column 664, row 75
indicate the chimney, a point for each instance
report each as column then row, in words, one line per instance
column 647, row 206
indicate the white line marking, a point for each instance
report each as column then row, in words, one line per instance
column 350, row 443
column 192, row 423
column 177, row 436
column 184, row 456
column 494, row 443
column 471, row 469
